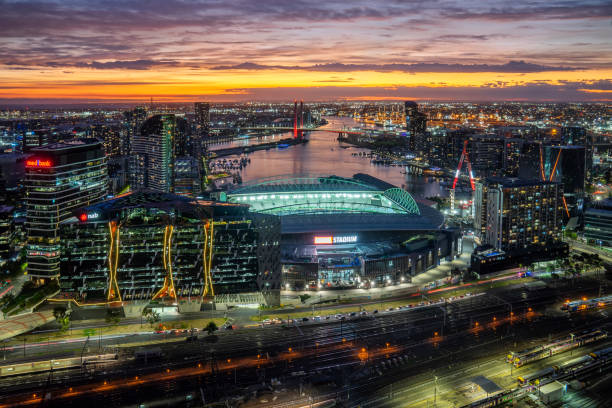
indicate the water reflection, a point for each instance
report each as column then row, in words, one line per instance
column 324, row 155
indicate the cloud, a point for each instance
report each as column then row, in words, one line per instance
column 510, row 67
column 532, row 91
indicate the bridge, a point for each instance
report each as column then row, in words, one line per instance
column 283, row 129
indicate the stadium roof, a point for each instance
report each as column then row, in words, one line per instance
column 331, row 203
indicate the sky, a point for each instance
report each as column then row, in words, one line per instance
column 276, row 50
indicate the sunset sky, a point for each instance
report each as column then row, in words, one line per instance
column 241, row 50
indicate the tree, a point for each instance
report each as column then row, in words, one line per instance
column 62, row 317
column 211, row 327
column 152, row 316
column 112, row 317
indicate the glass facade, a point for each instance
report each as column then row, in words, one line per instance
column 146, row 246
column 60, row 178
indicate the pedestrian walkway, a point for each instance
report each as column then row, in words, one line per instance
column 17, row 325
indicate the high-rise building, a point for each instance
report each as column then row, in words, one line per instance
column 524, row 220
column 144, row 246
column 7, row 232
column 579, row 136
column 480, row 212
column 133, row 120
column 523, row 213
column 512, row 156
column 202, row 118
column 531, row 161
column 566, row 164
column 486, row 154
column 186, row 177
column 37, row 138
column 416, row 125
column 109, row 136
column 162, row 138
column 60, row 177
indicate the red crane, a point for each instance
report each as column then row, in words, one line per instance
column 466, row 158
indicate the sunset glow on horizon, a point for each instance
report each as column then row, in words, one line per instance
column 273, row 50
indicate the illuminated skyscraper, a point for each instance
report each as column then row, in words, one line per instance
column 60, row 177
column 202, row 118
column 162, row 138
column 133, row 121
column 416, row 125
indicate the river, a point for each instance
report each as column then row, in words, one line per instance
column 324, row 155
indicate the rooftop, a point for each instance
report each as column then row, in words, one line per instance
column 517, row 182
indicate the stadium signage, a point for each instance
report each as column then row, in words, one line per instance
column 339, row 239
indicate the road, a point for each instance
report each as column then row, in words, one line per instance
column 334, row 350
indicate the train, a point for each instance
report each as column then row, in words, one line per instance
column 586, row 304
column 604, row 354
column 558, row 346
column 569, row 369
column 535, row 377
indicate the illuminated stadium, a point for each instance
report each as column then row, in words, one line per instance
column 349, row 232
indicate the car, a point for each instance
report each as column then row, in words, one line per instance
column 375, row 311
column 174, row 331
column 327, row 317
column 317, row 318
column 195, row 330
column 390, row 309
column 363, row 313
column 159, row 331
column 353, row 314
column 305, row 319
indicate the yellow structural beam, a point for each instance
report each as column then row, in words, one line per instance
column 113, row 261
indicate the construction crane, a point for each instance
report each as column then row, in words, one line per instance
column 466, row 158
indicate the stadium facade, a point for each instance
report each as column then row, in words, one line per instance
column 349, row 232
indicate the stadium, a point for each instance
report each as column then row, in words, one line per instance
column 339, row 232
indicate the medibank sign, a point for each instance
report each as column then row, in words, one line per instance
column 38, row 163
column 338, row 239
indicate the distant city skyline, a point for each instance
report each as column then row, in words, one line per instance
column 269, row 50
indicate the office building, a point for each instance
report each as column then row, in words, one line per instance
column 7, row 232
column 598, row 223
column 38, row 137
column 147, row 246
column 60, row 177
column 187, row 177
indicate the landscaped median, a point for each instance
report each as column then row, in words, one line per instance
column 110, row 329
